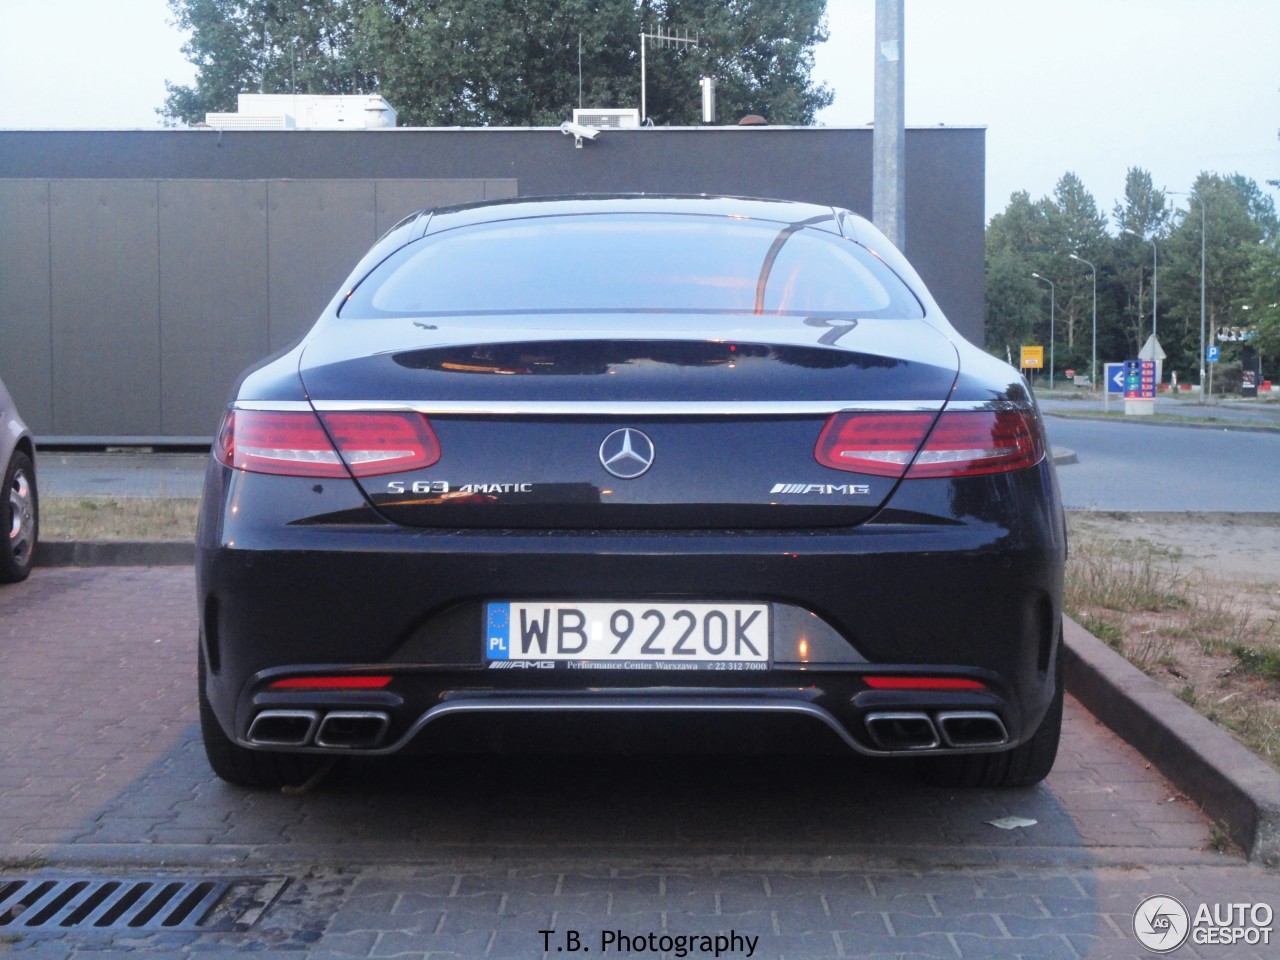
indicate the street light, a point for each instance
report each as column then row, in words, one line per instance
column 1155, row 276
column 1190, row 197
column 1051, row 291
column 1093, row 366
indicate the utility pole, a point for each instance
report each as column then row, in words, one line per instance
column 888, row 211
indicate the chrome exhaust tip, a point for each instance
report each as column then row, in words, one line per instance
column 352, row 729
column 902, row 731
column 283, row 728
column 972, row 728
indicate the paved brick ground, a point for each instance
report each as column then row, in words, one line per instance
column 102, row 775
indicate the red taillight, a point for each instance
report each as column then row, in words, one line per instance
column 331, row 683
column 295, row 444
column 923, row 683
column 961, row 444
column 377, row 443
column 881, row 444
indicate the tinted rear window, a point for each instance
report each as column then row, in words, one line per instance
column 633, row 263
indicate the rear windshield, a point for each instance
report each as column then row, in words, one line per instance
column 633, row 263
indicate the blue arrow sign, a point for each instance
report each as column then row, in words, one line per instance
column 1115, row 378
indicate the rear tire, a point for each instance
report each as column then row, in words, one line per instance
column 1023, row 766
column 19, row 518
column 258, row 769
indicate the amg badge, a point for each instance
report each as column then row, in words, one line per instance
column 828, row 489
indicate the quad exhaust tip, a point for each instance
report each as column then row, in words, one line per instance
column 337, row 729
column 284, row 728
column 902, row 731
column 352, row 729
column 972, row 728
column 950, row 729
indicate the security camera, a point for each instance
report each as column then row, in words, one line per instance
column 579, row 132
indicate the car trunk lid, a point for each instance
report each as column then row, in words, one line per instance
column 607, row 422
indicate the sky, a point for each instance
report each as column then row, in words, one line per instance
column 1088, row 86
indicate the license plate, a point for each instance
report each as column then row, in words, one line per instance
column 638, row 635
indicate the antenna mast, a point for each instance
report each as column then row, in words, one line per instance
column 665, row 40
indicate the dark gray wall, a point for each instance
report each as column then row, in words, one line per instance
column 140, row 271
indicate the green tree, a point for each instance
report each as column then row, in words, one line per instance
column 1264, row 284
column 262, row 46
column 1141, row 218
column 504, row 62
column 1017, row 307
column 1076, row 225
column 1237, row 218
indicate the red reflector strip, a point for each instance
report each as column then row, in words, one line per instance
column 331, row 683
column 923, row 683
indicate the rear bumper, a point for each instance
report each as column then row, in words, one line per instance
column 979, row 599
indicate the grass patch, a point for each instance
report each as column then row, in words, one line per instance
column 1213, row 644
column 1171, row 418
column 1115, row 577
column 1263, row 663
column 117, row 518
column 1220, row 836
column 1109, row 633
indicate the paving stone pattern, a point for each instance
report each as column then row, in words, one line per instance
column 102, row 774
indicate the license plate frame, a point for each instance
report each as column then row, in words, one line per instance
column 628, row 634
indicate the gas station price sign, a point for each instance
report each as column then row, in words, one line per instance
column 1139, row 379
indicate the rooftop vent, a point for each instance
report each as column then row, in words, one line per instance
column 287, row 111
column 607, row 119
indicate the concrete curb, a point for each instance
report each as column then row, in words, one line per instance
column 1229, row 783
column 115, row 553
column 1062, row 456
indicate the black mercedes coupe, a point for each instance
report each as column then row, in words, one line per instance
column 632, row 473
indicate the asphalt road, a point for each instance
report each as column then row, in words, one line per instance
column 1157, row 467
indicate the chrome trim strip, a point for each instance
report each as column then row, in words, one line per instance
column 630, row 408
column 273, row 406
column 987, row 405
column 628, row 705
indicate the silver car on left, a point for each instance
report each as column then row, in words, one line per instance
column 19, row 502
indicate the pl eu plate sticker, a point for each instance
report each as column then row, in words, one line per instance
column 498, row 645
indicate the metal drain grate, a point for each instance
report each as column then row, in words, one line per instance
column 164, row 903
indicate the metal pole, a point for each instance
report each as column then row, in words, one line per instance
column 889, row 134
column 1093, row 366
column 1190, row 197
column 1202, row 359
column 1051, row 337
column 1155, row 285
column 643, row 112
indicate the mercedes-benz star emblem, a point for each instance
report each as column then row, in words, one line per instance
column 626, row 453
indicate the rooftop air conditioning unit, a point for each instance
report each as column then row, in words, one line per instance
column 249, row 121
column 607, row 119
